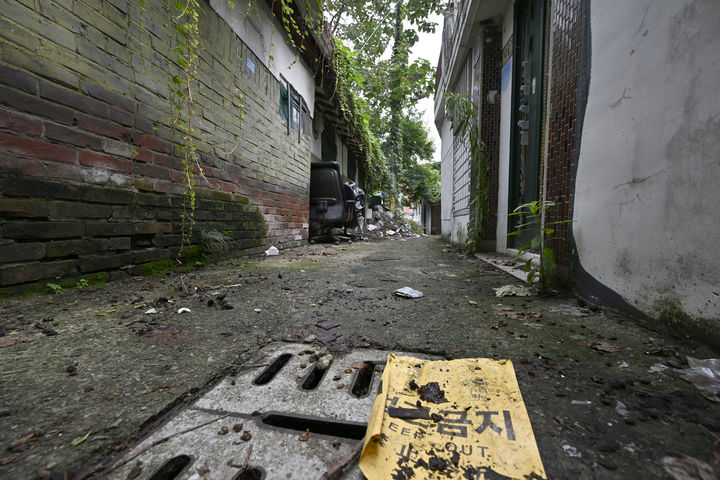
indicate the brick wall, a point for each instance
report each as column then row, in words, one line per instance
column 89, row 176
column 490, row 118
column 565, row 17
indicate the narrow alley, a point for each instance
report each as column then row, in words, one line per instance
column 91, row 371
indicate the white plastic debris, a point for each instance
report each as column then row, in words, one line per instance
column 705, row 375
column 184, row 310
column 572, row 451
column 514, row 290
column 621, row 409
column 657, row 368
column 372, row 227
column 151, row 311
column 390, row 232
column 272, row 251
column 580, row 402
column 407, row 292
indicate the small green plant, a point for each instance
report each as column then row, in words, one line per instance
column 54, row 287
column 531, row 220
column 215, row 241
column 82, row 283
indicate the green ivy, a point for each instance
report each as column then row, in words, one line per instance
column 466, row 123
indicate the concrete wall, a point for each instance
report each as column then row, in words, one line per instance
column 446, row 176
column 254, row 23
column 504, row 156
column 646, row 211
column 90, row 178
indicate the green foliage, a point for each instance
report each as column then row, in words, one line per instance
column 82, row 283
column 214, row 241
column 355, row 111
column 466, row 122
column 54, row 287
column 531, row 220
column 187, row 40
column 421, row 181
column 387, row 85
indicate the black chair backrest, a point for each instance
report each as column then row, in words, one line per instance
column 327, row 199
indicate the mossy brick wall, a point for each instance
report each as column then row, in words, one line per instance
column 89, row 175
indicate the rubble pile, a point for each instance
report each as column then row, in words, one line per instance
column 385, row 223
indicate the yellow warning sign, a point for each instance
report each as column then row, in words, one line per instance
column 460, row 419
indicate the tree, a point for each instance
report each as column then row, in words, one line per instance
column 389, row 84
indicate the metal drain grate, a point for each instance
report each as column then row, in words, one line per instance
column 293, row 395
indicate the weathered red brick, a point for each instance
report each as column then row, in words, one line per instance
column 23, row 207
column 153, row 171
column 20, row 123
column 99, row 160
column 22, row 166
column 153, row 143
column 37, row 148
column 73, row 136
column 102, row 127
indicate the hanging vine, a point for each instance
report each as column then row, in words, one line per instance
column 466, row 124
column 355, row 110
column 185, row 19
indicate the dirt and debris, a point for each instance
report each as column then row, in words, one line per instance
column 431, row 392
column 112, row 367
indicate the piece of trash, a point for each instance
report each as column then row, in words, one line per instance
column 572, row 451
column 580, row 402
column 532, row 325
column 657, row 368
column 407, row 292
column 272, row 251
column 304, row 436
column 390, row 232
column 472, row 302
column 621, row 409
column 602, row 346
column 184, row 310
column 324, row 362
column 372, row 227
column 705, row 375
column 78, row 440
column 495, row 429
column 257, row 310
column 623, row 365
column 9, row 342
column 151, row 311
column 690, row 468
column 514, row 290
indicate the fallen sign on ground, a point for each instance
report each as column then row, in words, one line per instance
column 460, row 418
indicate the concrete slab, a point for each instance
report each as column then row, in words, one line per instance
column 261, row 415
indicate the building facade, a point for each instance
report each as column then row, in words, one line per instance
column 598, row 108
column 91, row 176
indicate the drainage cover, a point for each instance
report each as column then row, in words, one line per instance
column 280, row 417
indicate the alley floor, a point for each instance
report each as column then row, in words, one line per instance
column 85, row 373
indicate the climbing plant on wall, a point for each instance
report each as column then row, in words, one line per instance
column 465, row 123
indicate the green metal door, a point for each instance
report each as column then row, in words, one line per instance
column 527, row 105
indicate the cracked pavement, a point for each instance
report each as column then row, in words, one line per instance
column 85, row 373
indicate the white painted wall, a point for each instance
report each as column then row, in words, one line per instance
column 504, row 147
column 254, row 23
column 446, row 178
column 647, row 216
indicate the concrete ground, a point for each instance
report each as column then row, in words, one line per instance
column 84, row 374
